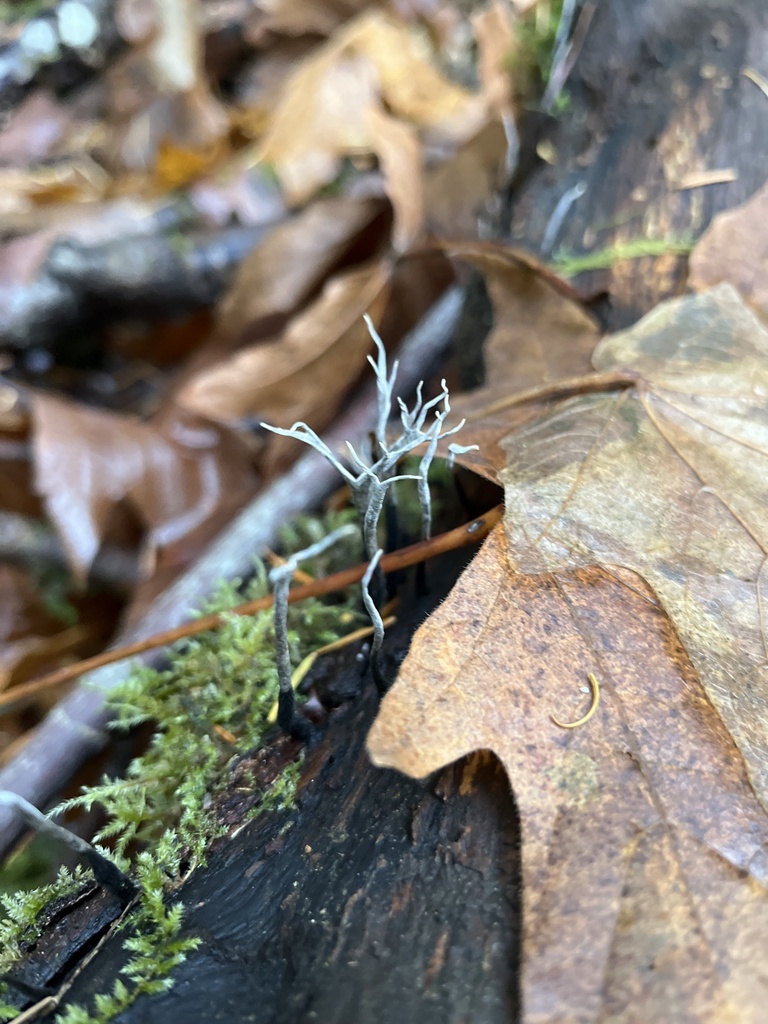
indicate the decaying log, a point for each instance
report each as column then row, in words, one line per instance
column 657, row 97
column 377, row 898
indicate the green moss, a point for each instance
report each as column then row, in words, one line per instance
column 22, row 10
column 569, row 264
column 22, row 922
column 303, row 531
column 220, row 684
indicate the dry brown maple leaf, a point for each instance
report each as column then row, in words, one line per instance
column 645, row 837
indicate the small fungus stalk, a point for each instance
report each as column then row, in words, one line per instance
column 107, row 874
column 370, row 474
column 378, row 625
column 280, row 579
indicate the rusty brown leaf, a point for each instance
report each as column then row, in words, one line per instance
column 645, row 839
column 303, row 372
column 541, row 334
column 181, row 479
column 291, row 264
column 644, row 845
column 734, row 248
column 459, row 191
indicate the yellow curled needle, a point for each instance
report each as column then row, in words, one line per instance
column 595, row 700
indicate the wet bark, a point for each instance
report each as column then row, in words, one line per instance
column 657, row 95
column 376, row 898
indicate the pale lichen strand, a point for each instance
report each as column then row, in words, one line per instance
column 224, row 679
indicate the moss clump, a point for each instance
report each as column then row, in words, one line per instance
column 22, row 921
column 156, row 946
column 209, row 708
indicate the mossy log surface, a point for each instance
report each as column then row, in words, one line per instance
column 376, row 898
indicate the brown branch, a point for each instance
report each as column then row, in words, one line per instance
column 469, row 533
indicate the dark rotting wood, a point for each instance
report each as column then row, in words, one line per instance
column 376, row 898
column 657, row 94
column 387, row 900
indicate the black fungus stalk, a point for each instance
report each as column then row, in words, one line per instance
column 107, row 874
column 280, row 578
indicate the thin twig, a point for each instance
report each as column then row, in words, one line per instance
column 470, row 533
column 77, row 727
column 560, row 212
column 557, row 72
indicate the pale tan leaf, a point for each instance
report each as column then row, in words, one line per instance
column 175, row 46
column 323, row 114
column 494, row 30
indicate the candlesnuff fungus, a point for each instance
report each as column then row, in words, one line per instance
column 280, row 577
column 374, row 474
column 107, row 873
column 378, row 625
column 369, row 475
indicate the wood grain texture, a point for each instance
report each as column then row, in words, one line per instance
column 656, row 94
